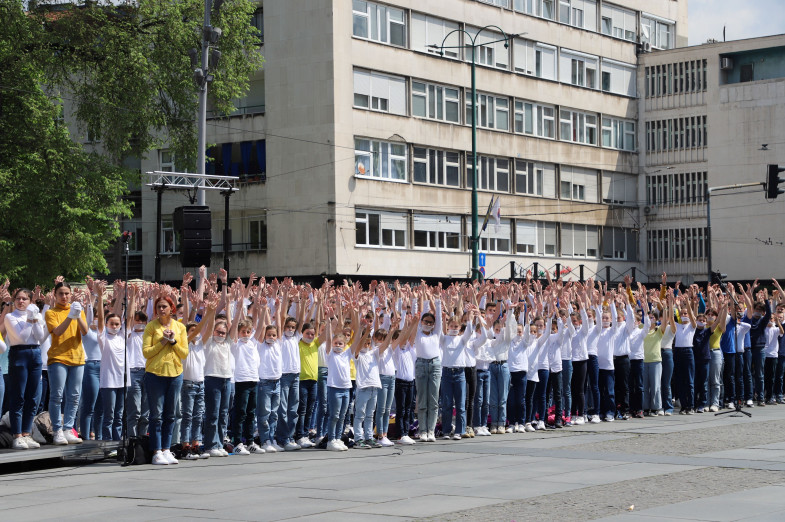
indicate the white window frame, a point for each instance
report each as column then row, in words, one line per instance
column 540, row 71
column 541, row 117
column 168, row 236
column 379, row 92
column 577, row 184
column 380, row 160
column 489, row 108
column 535, row 179
column 383, row 17
column 547, row 239
column 430, row 30
column 441, row 232
column 489, row 54
column 437, row 164
column 623, row 22
column 498, row 3
column 493, row 241
column 166, row 160
column 491, row 170
column 395, row 223
column 614, row 243
column 622, row 78
column 578, row 69
column 619, row 189
column 618, row 134
column 658, row 29
column 526, row 237
column 579, row 13
column 436, row 99
column 579, row 127
column 590, row 240
column 255, row 243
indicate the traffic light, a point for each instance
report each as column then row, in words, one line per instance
column 718, row 278
column 773, row 181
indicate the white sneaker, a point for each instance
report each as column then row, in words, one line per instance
column 406, row 441
column 385, row 442
column 240, row 450
column 431, row 436
column 20, row 443
column 71, row 437
column 269, row 448
column 423, row 436
column 609, row 418
column 59, row 439
column 305, row 442
column 749, row 403
column 31, row 444
column 595, row 419
column 291, row 446
column 528, row 427
column 508, row 430
column 255, row 448
column 204, row 455
column 456, row 437
column 541, row 425
column 334, row 445
column 447, row 437
column 276, row 446
column 169, row 457
column 714, row 408
column 159, row 459
column 579, row 421
column 216, row 452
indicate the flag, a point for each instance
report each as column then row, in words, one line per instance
column 487, row 216
column 497, row 213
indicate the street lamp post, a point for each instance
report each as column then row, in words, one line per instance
column 475, row 238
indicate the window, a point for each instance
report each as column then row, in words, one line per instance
column 380, row 229
column 378, row 23
column 257, row 234
column 577, row 127
column 437, row 232
column 493, row 112
column 493, row 240
column 379, row 92
column 526, row 237
column 168, row 237
column 618, row 134
column 429, row 30
column 579, row 240
column 545, row 62
column 436, row 167
column 657, row 31
column 436, row 102
column 493, row 173
column 535, row 179
column 676, row 244
column 257, row 21
column 619, row 22
column 619, row 243
column 676, row 189
column 546, row 239
column 578, row 184
column 618, row 78
column 491, row 50
column 578, row 69
column 379, row 159
column 500, row 3
column 676, row 133
column 166, row 161
column 747, row 72
column 619, row 189
column 579, row 13
column 533, row 119
column 534, row 59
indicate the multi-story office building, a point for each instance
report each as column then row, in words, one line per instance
column 712, row 115
column 353, row 148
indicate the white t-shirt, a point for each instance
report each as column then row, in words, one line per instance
column 338, row 369
column 404, row 362
column 246, row 360
column 387, row 363
column 270, row 361
column 112, row 359
column 323, row 355
column 218, row 359
column 367, row 364
column 135, row 357
column 290, row 353
column 193, row 367
column 684, row 334
column 772, row 341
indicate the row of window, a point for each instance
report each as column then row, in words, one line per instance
column 676, row 189
column 680, row 244
column 676, row 133
column 378, row 23
column 389, row 161
column 387, row 229
column 381, row 92
column 674, row 78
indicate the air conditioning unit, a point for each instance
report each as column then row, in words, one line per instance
column 646, row 47
column 726, row 63
column 650, row 210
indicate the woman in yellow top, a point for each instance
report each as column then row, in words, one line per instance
column 67, row 324
column 165, row 346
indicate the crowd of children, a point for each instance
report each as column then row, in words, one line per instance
column 262, row 367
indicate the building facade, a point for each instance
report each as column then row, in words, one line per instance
column 353, row 148
column 712, row 115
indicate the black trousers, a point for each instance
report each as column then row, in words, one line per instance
column 621, row 367
column 471, row 392
column 578, row 388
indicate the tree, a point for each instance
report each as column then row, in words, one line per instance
column 59, row 204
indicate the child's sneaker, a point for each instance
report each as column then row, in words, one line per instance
column 255, row 448
column 269, row 447
column 361, row 444
column 373, row 443
column 406, row 441
column 305, row 442
column 385, row 442
column 240, row 450
column 335, row 445
column 528, row 427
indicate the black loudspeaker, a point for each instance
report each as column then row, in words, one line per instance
column 193, row 228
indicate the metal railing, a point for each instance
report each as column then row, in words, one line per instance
column 581, row 272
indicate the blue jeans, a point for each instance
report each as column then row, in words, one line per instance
column 748, row 387
column 404, row 405
column 427, row 376
column 287, row 411
column 65, row 382
column 733, row 371
column 665, row 381
column 90, row 407
column 112, row 401
column 684, row 373
column 384, row 400
column 24, row 371
column 338, row 399
column 192, row 408
column 162, row 393
column 500, row 388
column 758, row 363
column 322, row 418
column 217, row 391
column 566, row 385
column 365, row 404
column 137, row 411
column 715, row 378
column 652, row 380
column 607, row 393
column 702, row 383
column 481, row 407
column 541, row 395
column 517, row 397
column 593, row 371
column 3, row 378
column 454, row 391
column 778, row 377
column 269, row 398
column 307, row 403
column 636, row 385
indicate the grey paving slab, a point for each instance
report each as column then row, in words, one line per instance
column 424, row 506
column 611, row 474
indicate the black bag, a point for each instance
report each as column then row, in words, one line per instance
column 138, row 450
column 6, row 437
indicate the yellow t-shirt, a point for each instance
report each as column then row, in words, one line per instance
column 164, row 360
column 309, row 360
column 652, row 349
column 714, row 340
column 67, row 347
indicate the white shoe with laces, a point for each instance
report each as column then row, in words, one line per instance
column 71, row 437
column 431, row 436
column 291, row 446
column 216, row 452
column 20, row 443
column 159, row 459
column 240, row 450
column 269, row 448
column 255, row 448
column 385, row 442
column 595, row 419
column 59, row 439
column 406, row 441
column 31, row 444
column 276, row 446
column 423, row 436
column 305, row 442
column 170, row 457
column 528, row 427
column 334, row 445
